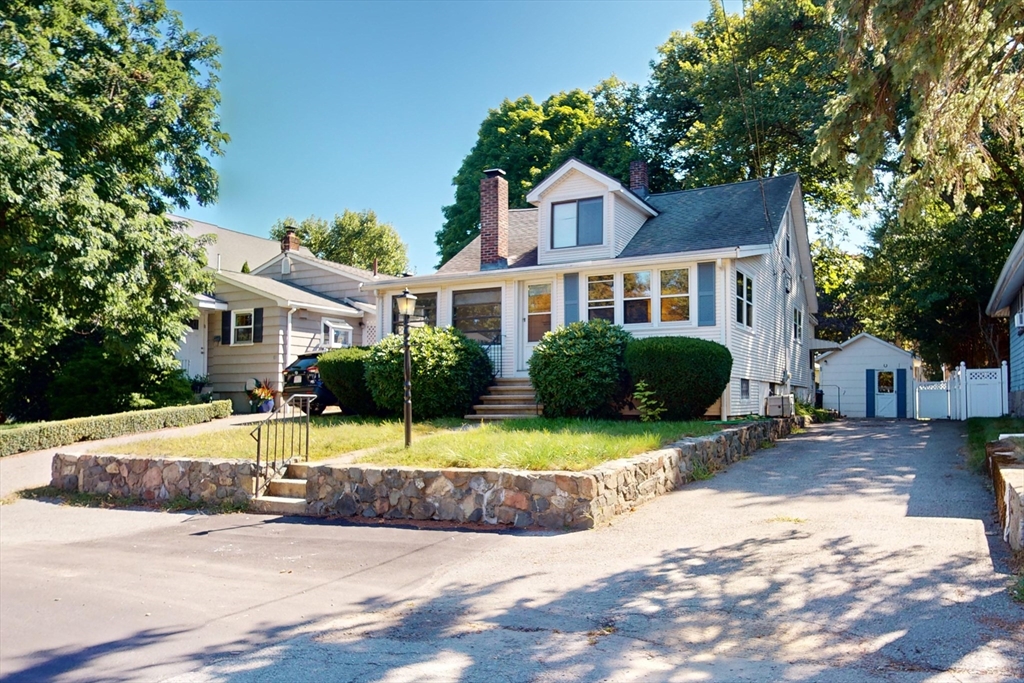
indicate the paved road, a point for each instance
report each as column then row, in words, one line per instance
column 856, row 552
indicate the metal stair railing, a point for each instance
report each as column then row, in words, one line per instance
column 282, row 438
column 494, row 354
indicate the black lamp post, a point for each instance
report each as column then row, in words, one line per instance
column 406, row 307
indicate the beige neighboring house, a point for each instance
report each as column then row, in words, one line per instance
column 254, row 324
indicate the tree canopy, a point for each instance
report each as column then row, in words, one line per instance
column 929, row 85
column 351, row 238
column 108, row 118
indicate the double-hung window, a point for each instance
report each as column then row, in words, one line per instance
column 675, row 295
column 241, row 327
column 636, row 297
column 744, row 299
column 798, row 324
column 577, row 223
column 601, row 297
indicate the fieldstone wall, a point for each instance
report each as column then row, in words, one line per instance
column 555, row 500
column 1006, row 466
column 125, row 476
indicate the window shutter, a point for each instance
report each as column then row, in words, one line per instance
column 869, row 408
column 706, row 294
column 901, row 393
column 257, row 326
column 225, row 328
column 572, row 297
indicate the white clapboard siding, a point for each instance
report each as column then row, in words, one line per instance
column 573, row 185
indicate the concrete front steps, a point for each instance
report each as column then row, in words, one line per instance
column 285, row 495
column 507, row 399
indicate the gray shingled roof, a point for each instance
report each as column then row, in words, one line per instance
column 283, row 293
column 716, row 217
column 522, row 245
column 233, row 247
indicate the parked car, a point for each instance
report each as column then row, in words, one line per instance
column 303, row 377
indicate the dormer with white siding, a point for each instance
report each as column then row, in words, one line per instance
column 584, row 214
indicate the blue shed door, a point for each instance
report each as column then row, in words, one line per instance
column 869, row 392
column 901, row 393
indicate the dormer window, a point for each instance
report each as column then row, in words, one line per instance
column 577, row 223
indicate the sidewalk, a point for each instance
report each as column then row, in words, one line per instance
column 32, row 468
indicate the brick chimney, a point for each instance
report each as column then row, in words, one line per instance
column 639, row 182
column 290, row 241
column 493, row 220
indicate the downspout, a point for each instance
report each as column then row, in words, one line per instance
column 282, row 362
column 726, row 398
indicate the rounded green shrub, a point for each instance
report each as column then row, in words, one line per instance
column 687, row 375
column 579, row 370
column 344, row 373
column 449, row 372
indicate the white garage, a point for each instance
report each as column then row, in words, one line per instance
column 868, row 377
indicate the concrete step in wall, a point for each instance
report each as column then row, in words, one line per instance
column 519, row 398
column 278, row 505
column 494, row 417
column 287, row 488
column 507, row 399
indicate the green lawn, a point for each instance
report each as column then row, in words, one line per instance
column 538, row 444
column 981, row 430
column 329, row 437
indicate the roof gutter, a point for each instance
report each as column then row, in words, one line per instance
column 997, row 302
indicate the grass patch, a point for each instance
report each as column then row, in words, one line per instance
column 981, row 430
column 702, row 471
column 791, row 520
column 329, row 436
column 539, row 444
column 94, row 500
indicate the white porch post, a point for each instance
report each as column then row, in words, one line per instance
column 1004, row 388
column 962, row 372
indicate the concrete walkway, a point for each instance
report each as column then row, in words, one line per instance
column 854, row 552
column 32, row 468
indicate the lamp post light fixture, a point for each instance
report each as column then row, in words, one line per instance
column 406, row 303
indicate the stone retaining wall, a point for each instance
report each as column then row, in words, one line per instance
column 1006, row 466
column 125, row 476
column 555, row 500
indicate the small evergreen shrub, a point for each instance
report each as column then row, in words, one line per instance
column 688, row 375
column 578, row 369
column 449, row 372
column 344, row 373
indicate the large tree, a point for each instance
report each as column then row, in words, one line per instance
column 351, row 238
column 528, row 140
column 108, row 117
column 930, row 84
column 836, row 274
column 741, row 97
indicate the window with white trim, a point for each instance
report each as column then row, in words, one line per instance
column 241, row 326
column 789, row 232
column 744, row 299
column 798, row 324
column 744, row 388
column 636, row 297
column 675, row 295
column 601, row 297
column 577, row 223
column 335, row 334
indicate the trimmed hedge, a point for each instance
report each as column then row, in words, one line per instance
column 449, row 372
column 344, row 373
column 688, row 375
column 34, row 437
column 578, row 370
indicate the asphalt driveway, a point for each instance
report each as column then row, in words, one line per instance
column 855, row 552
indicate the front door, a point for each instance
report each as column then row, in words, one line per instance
column 192, row 353
column 885, row 393
column 536, row 318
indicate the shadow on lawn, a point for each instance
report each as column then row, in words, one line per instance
column 735, row 612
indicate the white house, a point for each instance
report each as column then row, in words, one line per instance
column 869, row 377
column 729, row 263
column 254, row 324
column 1007, row 301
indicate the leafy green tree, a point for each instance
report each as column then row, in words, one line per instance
column 929, row 85
column 835, row 275
column 351, row 238
column 108, row 117
column 529, row 140
column 740, row 97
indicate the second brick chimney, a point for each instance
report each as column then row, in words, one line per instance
column 639, row 182
column 493, row 220
column 290, row 241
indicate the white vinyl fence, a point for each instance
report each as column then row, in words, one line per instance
column 969, row 392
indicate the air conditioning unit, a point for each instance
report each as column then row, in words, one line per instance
column 1018, row 320
column 780, row 406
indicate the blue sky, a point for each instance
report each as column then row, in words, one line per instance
column 335, row 105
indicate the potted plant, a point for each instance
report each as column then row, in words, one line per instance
column 261, row 396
